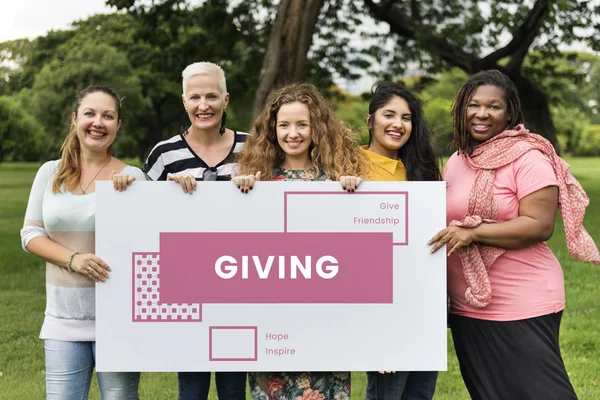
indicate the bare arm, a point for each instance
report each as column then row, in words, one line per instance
column 535, row 223
column 87, row 264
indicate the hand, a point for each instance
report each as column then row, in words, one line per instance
column 454, row 236
column 90, row 266
column 121, row 181
column 350, row 183
column 187, row 182
column 246, row 182
column 387, row 372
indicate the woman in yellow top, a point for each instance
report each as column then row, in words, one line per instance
column 400, row 150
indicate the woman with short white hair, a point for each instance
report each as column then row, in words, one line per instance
column 205, row 151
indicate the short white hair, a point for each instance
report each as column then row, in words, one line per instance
column 204, row 68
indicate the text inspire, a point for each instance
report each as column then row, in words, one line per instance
column 326, row 267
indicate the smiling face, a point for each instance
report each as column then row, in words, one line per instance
column 293, row 133
column 205, row 102
column 391, row 126
column 487, row 114
column 97, row 121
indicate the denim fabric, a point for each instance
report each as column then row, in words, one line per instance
column 417, row 385
column 69, row 368
column 195, row 385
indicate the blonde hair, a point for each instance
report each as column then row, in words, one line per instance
column 204, row 68
column 333, row 149
column 69, row 167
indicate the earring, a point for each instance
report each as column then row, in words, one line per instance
column 184, row 123
column 223, row 120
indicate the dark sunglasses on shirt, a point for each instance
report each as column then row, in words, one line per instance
column 210, row 174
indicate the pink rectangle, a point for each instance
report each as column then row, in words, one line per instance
column 401, row 193
column 210, row 344
column 192, row 268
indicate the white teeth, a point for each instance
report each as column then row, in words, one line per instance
column 96, row 134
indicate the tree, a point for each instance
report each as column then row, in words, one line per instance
column 287, row 53
column 453, row 33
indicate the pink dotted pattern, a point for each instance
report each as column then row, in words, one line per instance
column 146, row 294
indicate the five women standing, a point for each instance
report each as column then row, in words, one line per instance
column 504, row 186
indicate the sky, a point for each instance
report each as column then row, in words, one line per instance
column 32, row 18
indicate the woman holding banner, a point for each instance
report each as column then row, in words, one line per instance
column 399, row 150
column 205, row 151
column 298, row 137
column 506, row 287
column 59, row 228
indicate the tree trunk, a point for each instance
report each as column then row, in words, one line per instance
column 535, row 107
column 287, row 51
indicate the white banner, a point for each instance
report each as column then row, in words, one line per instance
column 293, row 276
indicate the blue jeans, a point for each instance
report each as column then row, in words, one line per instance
column 69, row 368
column 195, row 385
column 417, row 385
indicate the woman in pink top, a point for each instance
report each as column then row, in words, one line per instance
column 506, row 288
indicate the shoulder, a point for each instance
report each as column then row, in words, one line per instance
column 50, row 168
column 240, row 140
column 135, row 171
column 172, row 143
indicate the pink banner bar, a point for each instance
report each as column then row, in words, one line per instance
column 276, row 268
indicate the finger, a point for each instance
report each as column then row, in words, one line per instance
column 437, row 236
column 188, row 185
column 251, row 181
column 358, row 182
column 101, row 264
column 93, row 273
column 128, row 181
column 439, row 244
column 343, row 182
column 352, row 184
column 257, row 176
column 112, row 173
column 454, row 248
column 170, row 176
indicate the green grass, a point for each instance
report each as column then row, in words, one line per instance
column 22, row 302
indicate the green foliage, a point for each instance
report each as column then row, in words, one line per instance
column 437, row 100
column 22, row 298
column 21, row 135
column 589, row 145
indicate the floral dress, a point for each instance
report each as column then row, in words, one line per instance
column 311, row 174
column 299, row 385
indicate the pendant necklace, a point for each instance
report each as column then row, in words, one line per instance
column 94, row 178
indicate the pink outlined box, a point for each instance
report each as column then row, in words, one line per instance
column 343, row 193
column 254, row 330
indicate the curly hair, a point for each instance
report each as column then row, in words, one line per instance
column 462, row 139
column 69, row 168
column 333, row 149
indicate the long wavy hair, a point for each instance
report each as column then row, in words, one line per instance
column 462, row 138
column 69, row 168
column 417, row 153
column 333, row 149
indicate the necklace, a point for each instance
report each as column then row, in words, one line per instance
column 94, row 178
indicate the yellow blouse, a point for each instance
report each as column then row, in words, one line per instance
column 384, row 168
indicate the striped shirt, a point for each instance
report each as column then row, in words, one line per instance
column 175, row 155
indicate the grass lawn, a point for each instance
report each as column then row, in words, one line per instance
column 22, row 303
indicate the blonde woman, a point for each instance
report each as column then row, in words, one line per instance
column 59, row 228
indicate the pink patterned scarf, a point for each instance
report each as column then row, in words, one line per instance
column 494, row 153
